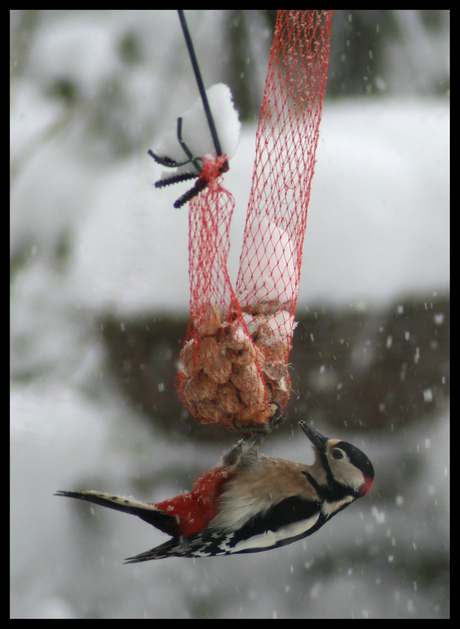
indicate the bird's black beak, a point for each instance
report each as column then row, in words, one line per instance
column 317, row 439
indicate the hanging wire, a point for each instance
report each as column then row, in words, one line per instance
column 205, row 176
column 199, row 80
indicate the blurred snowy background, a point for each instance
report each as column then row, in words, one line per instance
column 99, row 299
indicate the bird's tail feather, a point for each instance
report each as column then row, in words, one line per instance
column 147, row 512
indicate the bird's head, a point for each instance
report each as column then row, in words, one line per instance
column 343, row 462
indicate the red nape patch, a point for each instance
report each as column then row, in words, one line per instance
column 366, row 486
column 195, row 509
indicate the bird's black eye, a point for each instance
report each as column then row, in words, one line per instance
column 337, row 453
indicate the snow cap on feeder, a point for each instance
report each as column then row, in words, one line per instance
column 195, row 129
column 190, row 148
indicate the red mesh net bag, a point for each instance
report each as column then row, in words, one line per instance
column 234, row 363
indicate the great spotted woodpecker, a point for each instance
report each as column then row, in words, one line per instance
column 250, row 503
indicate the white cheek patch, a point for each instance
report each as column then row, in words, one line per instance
column 271, row 538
